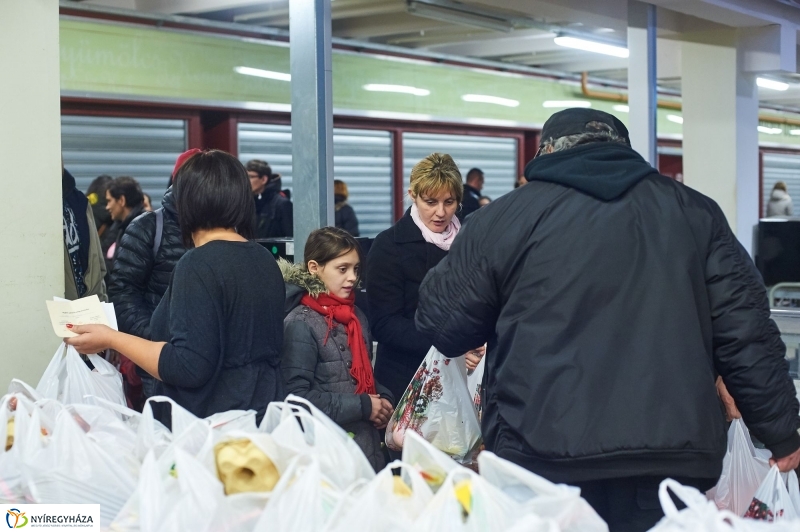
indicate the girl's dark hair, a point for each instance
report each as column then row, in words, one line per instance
column 212, row 191
column 325, row 244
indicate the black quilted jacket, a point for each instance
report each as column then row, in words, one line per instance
column 138, row 279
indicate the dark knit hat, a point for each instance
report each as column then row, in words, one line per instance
column 573, row 122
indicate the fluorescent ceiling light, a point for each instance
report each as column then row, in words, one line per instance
column 459, row 14
column 675, row 118
column 765, row 83
column 566, row 103
column 770, row 130
column 591, row 46
column 794, row 131
column 622, row 108
column 259, row 73
column 403, row 89
column 482, row 98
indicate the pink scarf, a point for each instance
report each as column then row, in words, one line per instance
column 441, row 240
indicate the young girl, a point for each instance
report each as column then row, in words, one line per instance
column 327, row 350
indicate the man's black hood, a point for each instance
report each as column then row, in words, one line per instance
column 604, row 170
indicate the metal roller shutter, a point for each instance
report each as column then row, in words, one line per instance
column 782, row 167
column 496, row 156
column 143, row 148
column 362, row 158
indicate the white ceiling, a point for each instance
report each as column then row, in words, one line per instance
column 530, row 42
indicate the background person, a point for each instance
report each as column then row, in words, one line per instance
column 148, row 205
column 472, row 193
column 780, row 203
column 84, row 269
column 608, row 324
column 124, row 202
column 96, row 194
column 218, row 330
column 327, row 349
column 345, row 215
column 273, row 211
column 484, row 201
column 398, row 261
column 140, row 277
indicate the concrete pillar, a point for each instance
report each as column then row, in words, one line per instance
column 32, row 261
column 720, row 121
column 642, row 89
column 312, row 118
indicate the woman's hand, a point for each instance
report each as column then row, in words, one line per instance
column 381, row 411
column 474, row 357
column 91, row 338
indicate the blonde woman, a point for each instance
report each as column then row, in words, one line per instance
column 398, row 261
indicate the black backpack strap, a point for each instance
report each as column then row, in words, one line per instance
column 159, row 231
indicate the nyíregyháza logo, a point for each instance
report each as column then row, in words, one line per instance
column 18, row 518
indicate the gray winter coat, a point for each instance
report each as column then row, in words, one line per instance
column 320, row 371
column 780, row 204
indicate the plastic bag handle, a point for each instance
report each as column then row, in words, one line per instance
column 124, row 410
column 680, row 491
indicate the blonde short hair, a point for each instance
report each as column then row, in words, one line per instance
column 435, row 173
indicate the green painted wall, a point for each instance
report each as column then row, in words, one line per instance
column 146, row 62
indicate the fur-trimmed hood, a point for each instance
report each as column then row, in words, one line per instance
column 299, row 283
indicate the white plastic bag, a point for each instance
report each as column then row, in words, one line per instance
column 69, row 380
column 563, row 504
column 475, row 386
column 302, row 501
column 438, row 406
column 431, row 463
column 384, row 505
column 191, row 433
column 234, row 420
column 26, row 418
column 238, row 513
column 72, row 468
column 700, row 514
column 179, row 498
column 468, row 503
column 298, row 427
column 743, row 471
column 772, row 501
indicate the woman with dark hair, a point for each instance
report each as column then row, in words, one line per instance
column 218, row 330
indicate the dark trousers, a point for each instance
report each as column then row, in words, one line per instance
column 631, row 504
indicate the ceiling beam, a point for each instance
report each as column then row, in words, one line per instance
column 194, row 6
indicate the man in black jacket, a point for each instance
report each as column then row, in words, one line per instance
column 611, row 298
column 274, row 213
column 472, row 194
column 143, row 267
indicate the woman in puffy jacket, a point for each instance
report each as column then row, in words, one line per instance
column 327, row 349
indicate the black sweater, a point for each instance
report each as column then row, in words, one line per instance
column 222, row 317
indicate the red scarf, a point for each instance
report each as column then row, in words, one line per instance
column 343, row 311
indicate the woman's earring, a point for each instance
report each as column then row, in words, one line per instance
column 460, row 207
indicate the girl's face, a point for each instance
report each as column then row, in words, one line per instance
column 339, row 275
column 436, row 211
